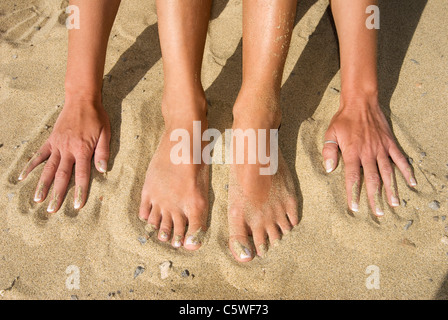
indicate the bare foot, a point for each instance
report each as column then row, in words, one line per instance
column 175, row 196
column 261, row 206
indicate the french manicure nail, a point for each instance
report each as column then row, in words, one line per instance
column 355, row 206
column 102, row 166
column 413, row 182
column 329, row 165
column 395, row 202
column 52, row 206
column 379, row 212
column 78, row 199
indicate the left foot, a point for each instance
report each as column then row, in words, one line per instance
column 261, row 206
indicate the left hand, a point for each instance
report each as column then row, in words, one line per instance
column 361, row 131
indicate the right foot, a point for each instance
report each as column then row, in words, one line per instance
column 175, row 196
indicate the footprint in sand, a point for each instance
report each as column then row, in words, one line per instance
column 31, row 22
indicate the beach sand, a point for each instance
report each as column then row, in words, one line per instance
column 331, row 254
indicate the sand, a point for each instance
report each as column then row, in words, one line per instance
column 331, row 254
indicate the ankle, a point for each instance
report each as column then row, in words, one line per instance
column 187, row 105
column 258, row 107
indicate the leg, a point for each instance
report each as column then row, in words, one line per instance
column 360, row 127
column 175, row 195
column 263, row 206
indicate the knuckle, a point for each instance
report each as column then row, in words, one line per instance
column 373, row 178
column 62, row 174
column 84, row 151
column 353, row 176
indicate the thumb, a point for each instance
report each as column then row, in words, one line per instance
column 102, row 151
column 330, row 151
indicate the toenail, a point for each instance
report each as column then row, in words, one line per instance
column 150, row 228
column 241, row 251
column 276, row 243
column 263, row 249
column 163, row 235
column 177, row 241
column 196, row 238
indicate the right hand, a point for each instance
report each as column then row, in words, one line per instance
column 81, row 131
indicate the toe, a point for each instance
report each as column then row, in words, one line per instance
column 274, row 235
column 155, row 217
column 166, row 225
column 196, row 231
column 179, row 221
column 259, row 236
column 292, row 211
column 145, row 208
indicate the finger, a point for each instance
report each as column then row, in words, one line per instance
column 39, row 157
column 403, row 165
column 373, row 186
column 102, row 151
column 330, row 152
column 82, row 177
column 47, row 177
column 353, row 181
column 388, row 177
column 61, row 180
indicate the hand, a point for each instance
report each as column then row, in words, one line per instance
column 362, row 132
column 81, row 130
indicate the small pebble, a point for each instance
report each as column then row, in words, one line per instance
column 142, row 240
column 434, row 205
column 37, row 28
column 138, row 271
column 410, row 160
column 443, row 218
column 408, row 224
column 435, row 218
column 14, row 56
column 404, row 202
column 415, row 61
column 165, row 269
column 74, row 297
column 185, row 273
column 423, row 154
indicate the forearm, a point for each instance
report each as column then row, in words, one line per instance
column 358, row 48
column 87, row 48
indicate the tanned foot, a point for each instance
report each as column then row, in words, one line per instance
column 174, row 199
column 263, row 207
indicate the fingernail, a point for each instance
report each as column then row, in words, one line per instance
column 39, row 193
column 395, row 201
column 329, row 165
column 177, row 241
column 20, row 178
column 78, row 199
column 413, row 182
column 52, row 205
column 355, row 206
column 379, row 212
column 38, row 196
column 102, row 166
